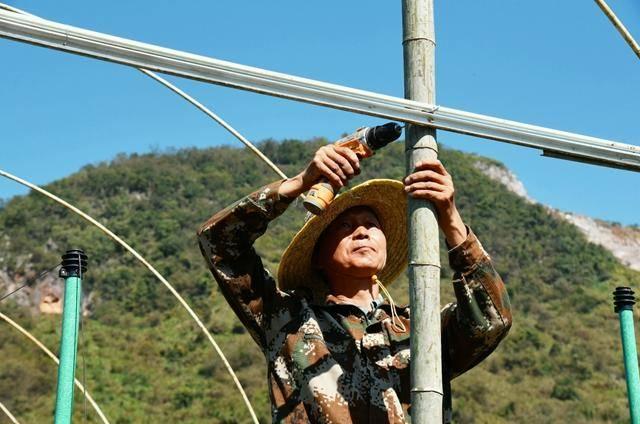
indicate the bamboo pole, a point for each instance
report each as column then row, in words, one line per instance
column 424, row 260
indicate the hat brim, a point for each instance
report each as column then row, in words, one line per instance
column 388, row 201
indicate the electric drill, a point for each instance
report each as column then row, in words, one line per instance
column 363, row 142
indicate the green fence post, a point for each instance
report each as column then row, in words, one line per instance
column 623, row 301
column 74, row 265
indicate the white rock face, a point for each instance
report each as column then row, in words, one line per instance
column 44, row 294
column 623, row 242
column 504, row 177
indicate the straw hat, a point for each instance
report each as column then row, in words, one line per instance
column 388, row 201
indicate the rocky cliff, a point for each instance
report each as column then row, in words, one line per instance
column 622, row 241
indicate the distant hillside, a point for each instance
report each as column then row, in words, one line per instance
column 146, row 361
column 622, row 241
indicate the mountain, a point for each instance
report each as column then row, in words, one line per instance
column 622, row 241
column 145, row 360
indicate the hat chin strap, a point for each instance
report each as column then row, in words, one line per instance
column 399, row 326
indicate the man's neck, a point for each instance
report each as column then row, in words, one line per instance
column 358, row 291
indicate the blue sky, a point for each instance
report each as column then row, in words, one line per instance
column 550, row 63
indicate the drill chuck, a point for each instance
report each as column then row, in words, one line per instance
column 380, row 136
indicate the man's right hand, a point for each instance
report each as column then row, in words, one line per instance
column 337, row 164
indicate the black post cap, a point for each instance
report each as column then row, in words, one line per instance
column 74, row 263
column 623, row 298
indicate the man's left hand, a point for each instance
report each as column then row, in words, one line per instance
column 431, row 181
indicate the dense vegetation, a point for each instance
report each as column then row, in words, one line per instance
column 147, row 362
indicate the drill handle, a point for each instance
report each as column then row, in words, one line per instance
column 357, row 146
column 319, row 197
column 322, row 192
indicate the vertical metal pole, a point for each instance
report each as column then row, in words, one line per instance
column 623, row 302
column 424, row 253
column 74, row 264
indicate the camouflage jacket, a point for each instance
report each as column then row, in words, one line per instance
column 332, row 362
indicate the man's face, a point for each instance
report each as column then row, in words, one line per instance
column 353, row 244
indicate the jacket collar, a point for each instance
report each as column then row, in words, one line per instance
column 332, row 301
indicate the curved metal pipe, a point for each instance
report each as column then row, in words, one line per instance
column 216, row 118
column 191, row 100
column 225, row 125
column 617, row 23
column 55, row 359
column 8, row 414
column 142, row 260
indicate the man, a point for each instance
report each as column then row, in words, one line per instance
column 335, row 351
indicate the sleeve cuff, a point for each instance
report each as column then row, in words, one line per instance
column 270, row 201
column 464, row 257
